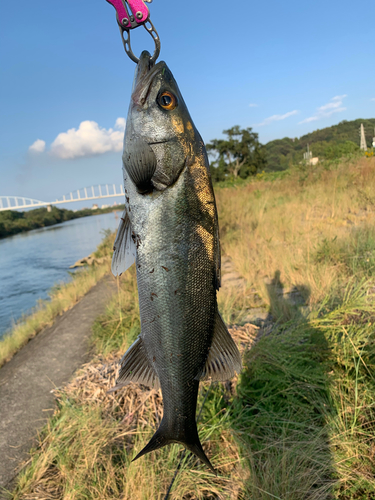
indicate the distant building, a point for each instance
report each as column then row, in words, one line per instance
column 105, row 206
column 94, row 207
column 314, row 161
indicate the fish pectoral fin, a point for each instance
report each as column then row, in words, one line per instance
column 124, row 250
column 224, row 359
column 135, row 367
column 140, row 162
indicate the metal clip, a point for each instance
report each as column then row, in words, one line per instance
column 139, row 16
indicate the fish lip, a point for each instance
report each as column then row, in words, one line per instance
column 145, row 78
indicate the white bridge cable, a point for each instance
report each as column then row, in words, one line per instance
column 109, row 191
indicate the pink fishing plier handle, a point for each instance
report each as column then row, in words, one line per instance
column 131, row 14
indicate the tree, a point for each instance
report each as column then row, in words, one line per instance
column 239, row 155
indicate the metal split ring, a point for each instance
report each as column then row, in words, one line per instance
column 125, row 37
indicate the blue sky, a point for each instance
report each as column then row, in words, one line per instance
column 283, row 68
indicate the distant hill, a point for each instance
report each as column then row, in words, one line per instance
column 13, row 222
column 327, row 143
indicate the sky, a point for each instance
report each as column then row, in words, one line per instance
column 282, row 68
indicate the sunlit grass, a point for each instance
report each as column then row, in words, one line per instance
column 279, row 227
column 301, row 423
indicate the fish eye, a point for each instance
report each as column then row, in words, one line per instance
column 167, row 100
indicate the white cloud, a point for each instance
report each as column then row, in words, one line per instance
column 276, row 118
column 252, row 105
column 373, row 99
column 334, row 106
column 38, row 146
column 339, row 97
column 120, row 124
column 88, row 140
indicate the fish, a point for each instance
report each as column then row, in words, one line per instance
column 170, row 229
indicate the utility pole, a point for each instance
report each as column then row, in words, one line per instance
column 308, row 155
column 363, row 139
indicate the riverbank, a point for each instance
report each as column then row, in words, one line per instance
column 14, row 222
column 62, row 298
column 299, row 421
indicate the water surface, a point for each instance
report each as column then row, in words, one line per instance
column 32, row 262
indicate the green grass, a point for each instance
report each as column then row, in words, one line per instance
column 355, row 254
column 121, row 324
column 305, row 411
column 301, row 423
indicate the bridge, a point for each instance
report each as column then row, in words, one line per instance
column 84, row 194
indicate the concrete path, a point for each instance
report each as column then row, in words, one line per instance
column 46, row 362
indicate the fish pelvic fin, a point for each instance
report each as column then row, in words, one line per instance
column 162, row 437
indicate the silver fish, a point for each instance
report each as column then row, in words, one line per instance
column 170, row 229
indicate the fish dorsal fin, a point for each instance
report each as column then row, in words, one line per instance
column 224, row 359
column 124, row 250
column 135, row 367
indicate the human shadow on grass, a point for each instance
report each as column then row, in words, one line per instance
column 282, row 402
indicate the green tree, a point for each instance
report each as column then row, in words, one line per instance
column 239, row 155
column 342, row 149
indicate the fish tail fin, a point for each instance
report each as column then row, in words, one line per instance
column 161, row 438
column 158, row 440
column 197, row 449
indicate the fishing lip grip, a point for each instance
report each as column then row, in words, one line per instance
column 130, row 14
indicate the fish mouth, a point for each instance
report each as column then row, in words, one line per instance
column 158, row 142
column 144, row 76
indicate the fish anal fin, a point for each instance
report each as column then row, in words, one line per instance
column 135, row 367
column 124, row 250
column 224, row 359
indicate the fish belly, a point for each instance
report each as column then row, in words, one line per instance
column 177, row 298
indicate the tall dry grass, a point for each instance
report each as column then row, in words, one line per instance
column 274, row 229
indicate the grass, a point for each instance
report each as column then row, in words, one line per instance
column 299, row 423
column 277, row 228
column 62, row 298
column 305, row 411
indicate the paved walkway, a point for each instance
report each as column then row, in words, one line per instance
column 46, row 362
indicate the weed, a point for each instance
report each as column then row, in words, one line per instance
column 300, row 422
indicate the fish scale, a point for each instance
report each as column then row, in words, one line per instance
column 170, row 228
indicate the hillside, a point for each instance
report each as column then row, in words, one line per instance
column 327, row 143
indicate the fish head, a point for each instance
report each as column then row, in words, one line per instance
column 160, row 137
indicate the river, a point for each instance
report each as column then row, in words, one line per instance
column 32, row 262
